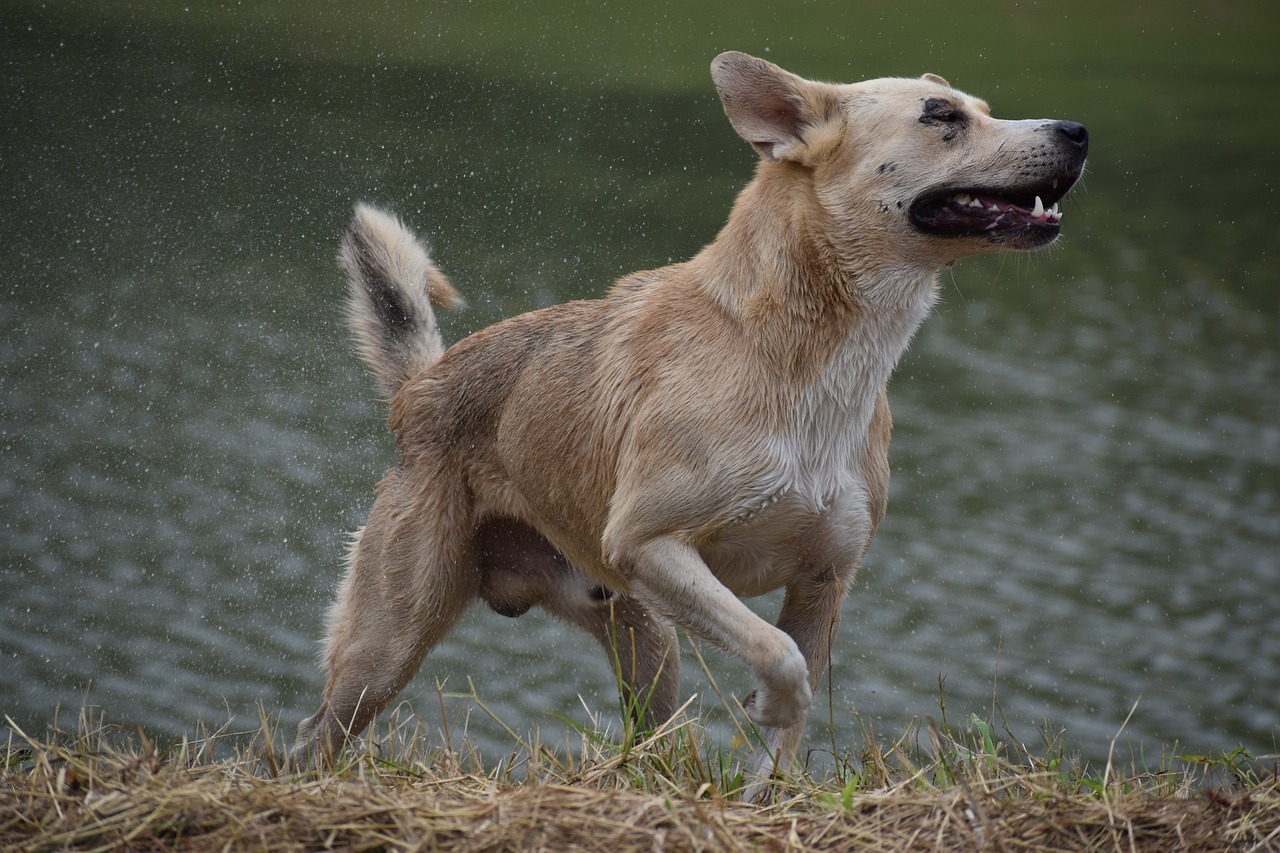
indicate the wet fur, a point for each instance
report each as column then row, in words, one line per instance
column 709, row 430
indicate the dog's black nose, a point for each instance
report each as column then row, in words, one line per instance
column 1075, row 132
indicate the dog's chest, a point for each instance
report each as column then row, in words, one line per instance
column 813, row 490
column 820, row 451
column 813, row 493
column 825, row 435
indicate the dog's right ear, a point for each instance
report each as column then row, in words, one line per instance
column 776, row 111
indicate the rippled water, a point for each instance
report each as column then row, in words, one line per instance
column 1086, row 500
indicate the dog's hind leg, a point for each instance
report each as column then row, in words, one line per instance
column 411, row 574
column 521, row 569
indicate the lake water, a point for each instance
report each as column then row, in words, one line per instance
column 1085, row 510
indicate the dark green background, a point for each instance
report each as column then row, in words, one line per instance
column 1086, row 499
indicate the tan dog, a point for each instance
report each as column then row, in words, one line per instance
column 708, row 430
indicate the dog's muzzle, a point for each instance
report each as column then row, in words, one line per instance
column 1017, row 217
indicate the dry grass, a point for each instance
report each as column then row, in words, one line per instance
column 935, row 789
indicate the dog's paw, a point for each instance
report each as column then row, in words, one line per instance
column 782, row 697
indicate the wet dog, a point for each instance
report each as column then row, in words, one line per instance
column 707, row 431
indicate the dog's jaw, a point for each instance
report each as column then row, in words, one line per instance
column 1011, row 218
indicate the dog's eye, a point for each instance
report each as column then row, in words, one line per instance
column 940, row 111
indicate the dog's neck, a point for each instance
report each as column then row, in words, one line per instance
column 803, row 295
column 828, row 322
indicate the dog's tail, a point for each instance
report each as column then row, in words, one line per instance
column 392, row 286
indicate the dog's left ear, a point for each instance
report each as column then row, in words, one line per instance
column 774, row 110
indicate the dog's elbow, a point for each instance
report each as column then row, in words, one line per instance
column 616, row 544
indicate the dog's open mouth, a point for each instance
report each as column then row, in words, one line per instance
column 1026, row 217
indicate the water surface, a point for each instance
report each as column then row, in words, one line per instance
column 1085, row 510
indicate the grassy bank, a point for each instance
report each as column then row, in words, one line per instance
column 937, row 787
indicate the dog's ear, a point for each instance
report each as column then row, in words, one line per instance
column 934, row 78
column 774, row 110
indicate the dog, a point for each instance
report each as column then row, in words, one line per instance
column 707, row 431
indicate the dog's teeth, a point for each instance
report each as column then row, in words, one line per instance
column 1038, row 210
column 961, row 198
column 976, row 203
column 995, row 208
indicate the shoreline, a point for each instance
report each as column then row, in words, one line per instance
column 966, row 788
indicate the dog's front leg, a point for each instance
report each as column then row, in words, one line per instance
column 810, row 615
column 671, row 578
column 642, row 648
column 832, row 552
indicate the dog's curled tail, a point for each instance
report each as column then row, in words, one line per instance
column 392, row 286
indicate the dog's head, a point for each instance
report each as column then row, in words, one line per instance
column 913, row 164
